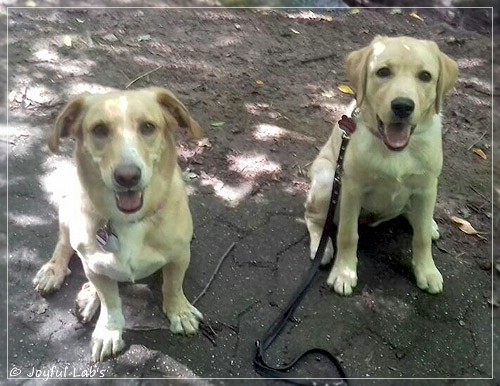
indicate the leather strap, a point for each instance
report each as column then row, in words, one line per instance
column 329, row 231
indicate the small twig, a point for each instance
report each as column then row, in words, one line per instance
column 215, row 273
column 145, row 328
column 316, row 58
column 142, row 76
column 459, row 255
column 232, row 328
column 480, row 138
column 479, row 193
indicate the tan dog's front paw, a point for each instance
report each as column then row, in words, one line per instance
column 428, row 278
column 342, row 279
column 106, row 342
column 49, row 278
column 87, row 302
column 185, row 320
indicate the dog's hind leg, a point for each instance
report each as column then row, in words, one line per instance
column 87, row 302
column 51, row 276
column 435, row 230
column 317, row 203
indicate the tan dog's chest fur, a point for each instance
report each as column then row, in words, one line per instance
column 127, row 179
column 394, row 157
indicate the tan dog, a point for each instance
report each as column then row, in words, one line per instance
column 394, row 158
column 128, row 179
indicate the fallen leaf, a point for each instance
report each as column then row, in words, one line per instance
column 80, row 20
column 464, row 225
column 480, row 153
column 144, row 38
column 328, row 18
column 259, row 82
column 217, row 124
column 328, row 94
column 345, row 89
column 67, row 41
column 354, row 11
column 415, row 16
column 295, row 31
column 204, row 143
column 189, row 175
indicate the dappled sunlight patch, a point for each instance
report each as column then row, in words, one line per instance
column 465, row 63
column 94, row 88
column 226, row 41
column 59, row 179
column 268, row 132
column 46, row 55
column 478, row 101
column 22, row 139
column 71, row 67
column 25, row 220
column 253, row 165
column 231, row 194
column 477, row 84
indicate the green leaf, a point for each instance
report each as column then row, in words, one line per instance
column 217, row 124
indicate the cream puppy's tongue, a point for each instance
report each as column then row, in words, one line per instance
column 397, row 135
column 129, row 202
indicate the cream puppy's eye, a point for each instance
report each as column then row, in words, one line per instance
column 425, row 76
column 147, row 128
column 383, row 72
column 100, row 131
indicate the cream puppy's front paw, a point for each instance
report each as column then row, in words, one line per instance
column 184, row 320
column 428, row 277
column 49, row 278
column 343, row 278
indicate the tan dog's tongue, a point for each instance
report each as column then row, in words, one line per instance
column 397, row 136
column 129, row 201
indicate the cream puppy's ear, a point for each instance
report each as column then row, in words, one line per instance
column 168, row 101
column 448, row 74
column 356, row 69
column 68, row 122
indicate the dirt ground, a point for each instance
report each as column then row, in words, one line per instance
column 264, row 86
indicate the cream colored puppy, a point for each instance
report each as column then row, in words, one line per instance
column 394, row 158
column 128, row 180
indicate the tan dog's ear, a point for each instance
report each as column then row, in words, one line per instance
column 175, row 107
column 356, row 68
column 67, row 123
column 448, row 74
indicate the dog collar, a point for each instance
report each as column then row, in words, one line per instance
column 107, row 238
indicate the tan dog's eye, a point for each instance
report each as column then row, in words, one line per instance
column 425, row 76
column 100, row 131
column 383, row 72
column 147, row 128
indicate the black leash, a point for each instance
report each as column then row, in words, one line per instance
column 329, row 231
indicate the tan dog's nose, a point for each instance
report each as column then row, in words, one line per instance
column 127, row 176
column 402, row 107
